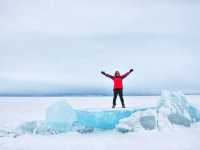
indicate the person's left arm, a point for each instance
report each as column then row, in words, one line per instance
column 126, row 74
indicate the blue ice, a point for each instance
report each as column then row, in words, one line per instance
column 61, row 117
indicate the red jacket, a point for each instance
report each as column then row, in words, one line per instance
column 118, row 84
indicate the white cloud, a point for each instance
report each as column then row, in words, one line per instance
column 70, row 42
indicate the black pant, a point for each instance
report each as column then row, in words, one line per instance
column 116, row 92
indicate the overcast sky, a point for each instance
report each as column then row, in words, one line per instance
column 48, row 45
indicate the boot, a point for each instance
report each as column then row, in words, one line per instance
column 123, row 106
column 113, row 106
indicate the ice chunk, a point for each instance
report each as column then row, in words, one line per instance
column 105, row 119
column 34, row 127
column 60, row 116
column 42, row 127
column 173, row 102
column 179, row 120
column 172, row 108
column 144, row 119
column 148, row 122
column 175, row 107
column 82, row 129
column 29, row 127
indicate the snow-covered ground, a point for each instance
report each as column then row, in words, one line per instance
column 17, row 110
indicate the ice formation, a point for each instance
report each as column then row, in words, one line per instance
column 141, row 119
column 172, row 108
column 101, row 119
column 60, row 116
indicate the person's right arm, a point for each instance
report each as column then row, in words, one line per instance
column 107, row 75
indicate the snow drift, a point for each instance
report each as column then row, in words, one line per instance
column 172, row 109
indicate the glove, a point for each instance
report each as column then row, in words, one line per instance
column 131, row 70
column 102, row 72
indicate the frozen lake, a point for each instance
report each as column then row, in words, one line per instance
column 16, row 110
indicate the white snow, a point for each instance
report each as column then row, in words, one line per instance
column 17, row 110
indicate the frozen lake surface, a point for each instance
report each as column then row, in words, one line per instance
column 17, row 110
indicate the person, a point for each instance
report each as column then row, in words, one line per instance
column 118, row 85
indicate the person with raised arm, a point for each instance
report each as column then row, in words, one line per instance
column 118, row 85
